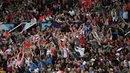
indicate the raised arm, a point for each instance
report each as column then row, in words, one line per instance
column 22, row 57
column 18, row 55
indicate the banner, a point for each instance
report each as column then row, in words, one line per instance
column 27, row 26
column 6, row 26
column 44, row 25
column 56, row 25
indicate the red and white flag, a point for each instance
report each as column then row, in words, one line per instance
column 35, row 38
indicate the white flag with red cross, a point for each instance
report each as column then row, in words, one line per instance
column 35, row 38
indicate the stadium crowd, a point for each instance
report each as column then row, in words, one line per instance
column 92, row 37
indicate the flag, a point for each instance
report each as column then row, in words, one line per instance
column 35, row 38
column 85, row 3
column 27, row 44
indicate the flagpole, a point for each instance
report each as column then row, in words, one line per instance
column 17, row 26
column 27, row 27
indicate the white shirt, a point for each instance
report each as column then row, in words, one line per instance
column 65, row 53
column 33, row 21
column 84, row 63
column 125, row 63
column 129, row 63
column 34, row 10
column 81, row 32
column 72, row 13
column 125, row 15
column 1, row 52
column 80, row 50
column 14, row 62
column 48, row 18
column 8, row 51
column 48, row 52
column 59, row 72
column 114, row 18
column 27, row 62
column 36, row 70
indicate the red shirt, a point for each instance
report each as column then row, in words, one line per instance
column 41, row 18
column 76, row 65
column 0, row 38
column 54, row 51
column 48, row 13
column 82, row 41
column 10, row 18
column 9, row 1
column 127, row 7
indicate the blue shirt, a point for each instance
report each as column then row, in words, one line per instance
column 91, row 72
column 81, row 67
column 121, row 14
column 49, row 61
column 115, row 33
column 85, row 34
column 32, row 66
column 40, row 64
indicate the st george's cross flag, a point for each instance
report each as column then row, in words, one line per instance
column 35, row 38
